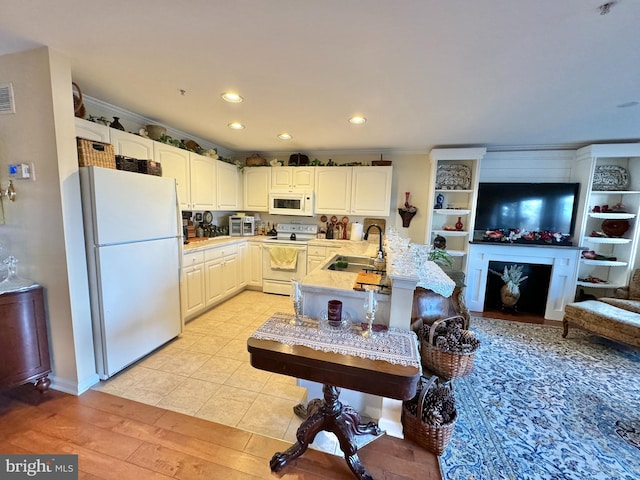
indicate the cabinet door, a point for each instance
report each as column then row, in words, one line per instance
column 193, row 295
column 242, row 271
column 281, row 178
column 227, row 186
column 257, row 182
column 313, row 262
column 131, row 145
column 229, row 275
column 175, row 164
column 24, row 347
column 202, row 182
column 303, row 178
column 92, row 131
column 371, row 191
column 214, row 287
column 255, row 265
column 333, row 190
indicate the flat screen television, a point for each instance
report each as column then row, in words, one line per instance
column 527, row 207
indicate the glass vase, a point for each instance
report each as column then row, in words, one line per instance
column 296, row 298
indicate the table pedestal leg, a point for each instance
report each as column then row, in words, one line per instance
column 331, row 416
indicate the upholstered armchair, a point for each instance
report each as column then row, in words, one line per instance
column 627, row 297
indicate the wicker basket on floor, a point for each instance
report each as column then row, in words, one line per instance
column 432, row 438
column 446, row 365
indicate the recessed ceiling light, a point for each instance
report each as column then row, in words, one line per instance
column 357, row 120
column 231, row 97
column 284, row 136
column 236, row 125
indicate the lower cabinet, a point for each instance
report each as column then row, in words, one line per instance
column 24, row 345
column 243, row 265
column 254, row 263
column 211, row 276
column 192, row 284
column 317, row 255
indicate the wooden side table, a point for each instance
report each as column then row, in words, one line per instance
column 333, row 370
column 24, row 344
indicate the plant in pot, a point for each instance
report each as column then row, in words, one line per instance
column 512, row 278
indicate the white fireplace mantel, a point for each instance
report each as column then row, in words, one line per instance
column 564, row 271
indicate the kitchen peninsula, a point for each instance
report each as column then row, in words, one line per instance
column 407, row 268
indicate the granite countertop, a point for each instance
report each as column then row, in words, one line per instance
column 211, row 242
column 342, row 282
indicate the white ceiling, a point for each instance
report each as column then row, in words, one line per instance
column 425, row 73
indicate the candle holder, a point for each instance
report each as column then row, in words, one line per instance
column 296, row 298
column 370, row 306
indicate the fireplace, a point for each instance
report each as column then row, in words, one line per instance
column 533, row 291
column 561, row 262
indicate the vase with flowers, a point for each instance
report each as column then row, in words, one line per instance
column 408, row 212
column 510, row 291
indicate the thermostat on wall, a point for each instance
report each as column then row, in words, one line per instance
column 20, row 170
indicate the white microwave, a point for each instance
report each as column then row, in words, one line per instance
column 291, row 203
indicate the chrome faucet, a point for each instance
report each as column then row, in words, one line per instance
column 366, row 237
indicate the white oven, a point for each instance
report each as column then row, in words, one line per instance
column 291, row 203
column 284, row 257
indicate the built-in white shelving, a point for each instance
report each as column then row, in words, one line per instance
column 590, row 229
column 458, row 204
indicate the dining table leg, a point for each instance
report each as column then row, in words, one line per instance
column 332, row 416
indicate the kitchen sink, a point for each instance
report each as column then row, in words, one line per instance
column 354, row 264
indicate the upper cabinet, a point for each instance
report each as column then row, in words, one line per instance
column 203, row 181
column 175, row 164
column 92, row 131
column 130, row 145
column 607, row 223
column 333, row 190
column 292, row 178
column 454, row 177
column 228, row 186
column 353, row 190
column 371, row 191
column 257, row 183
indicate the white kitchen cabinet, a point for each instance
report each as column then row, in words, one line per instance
column 221, row 273
column 616, row 255
column 318, row 254
column 333, row 190
column 362, row 191
column 130, row 145
column 257, row 183
column 292, row 178
column 227, row 186
column 202, row 180
column 175, row 164
column 192, row 289
column 371, row 191
column 254, row 278
column 457, row 203
column 92, row 131
column 243, row 265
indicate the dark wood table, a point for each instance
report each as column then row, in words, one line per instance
column 334, row 371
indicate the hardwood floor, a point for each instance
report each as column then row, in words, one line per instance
column 121, row 439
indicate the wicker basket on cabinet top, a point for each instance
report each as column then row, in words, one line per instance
column 93, row 153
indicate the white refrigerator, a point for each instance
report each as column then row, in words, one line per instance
column 133, row 237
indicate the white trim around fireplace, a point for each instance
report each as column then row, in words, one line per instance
column 564, row 271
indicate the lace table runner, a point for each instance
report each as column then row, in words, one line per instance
column 394, row 345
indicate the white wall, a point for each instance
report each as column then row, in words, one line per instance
column 527, row 166
column 45, row 221
column 410, row 174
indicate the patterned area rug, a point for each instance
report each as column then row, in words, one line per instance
column 538, row 406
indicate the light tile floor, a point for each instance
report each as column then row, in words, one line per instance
column 205, row 373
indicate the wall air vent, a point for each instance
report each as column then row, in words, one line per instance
column 6, row 98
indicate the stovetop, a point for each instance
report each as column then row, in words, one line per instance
column 294, row 233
